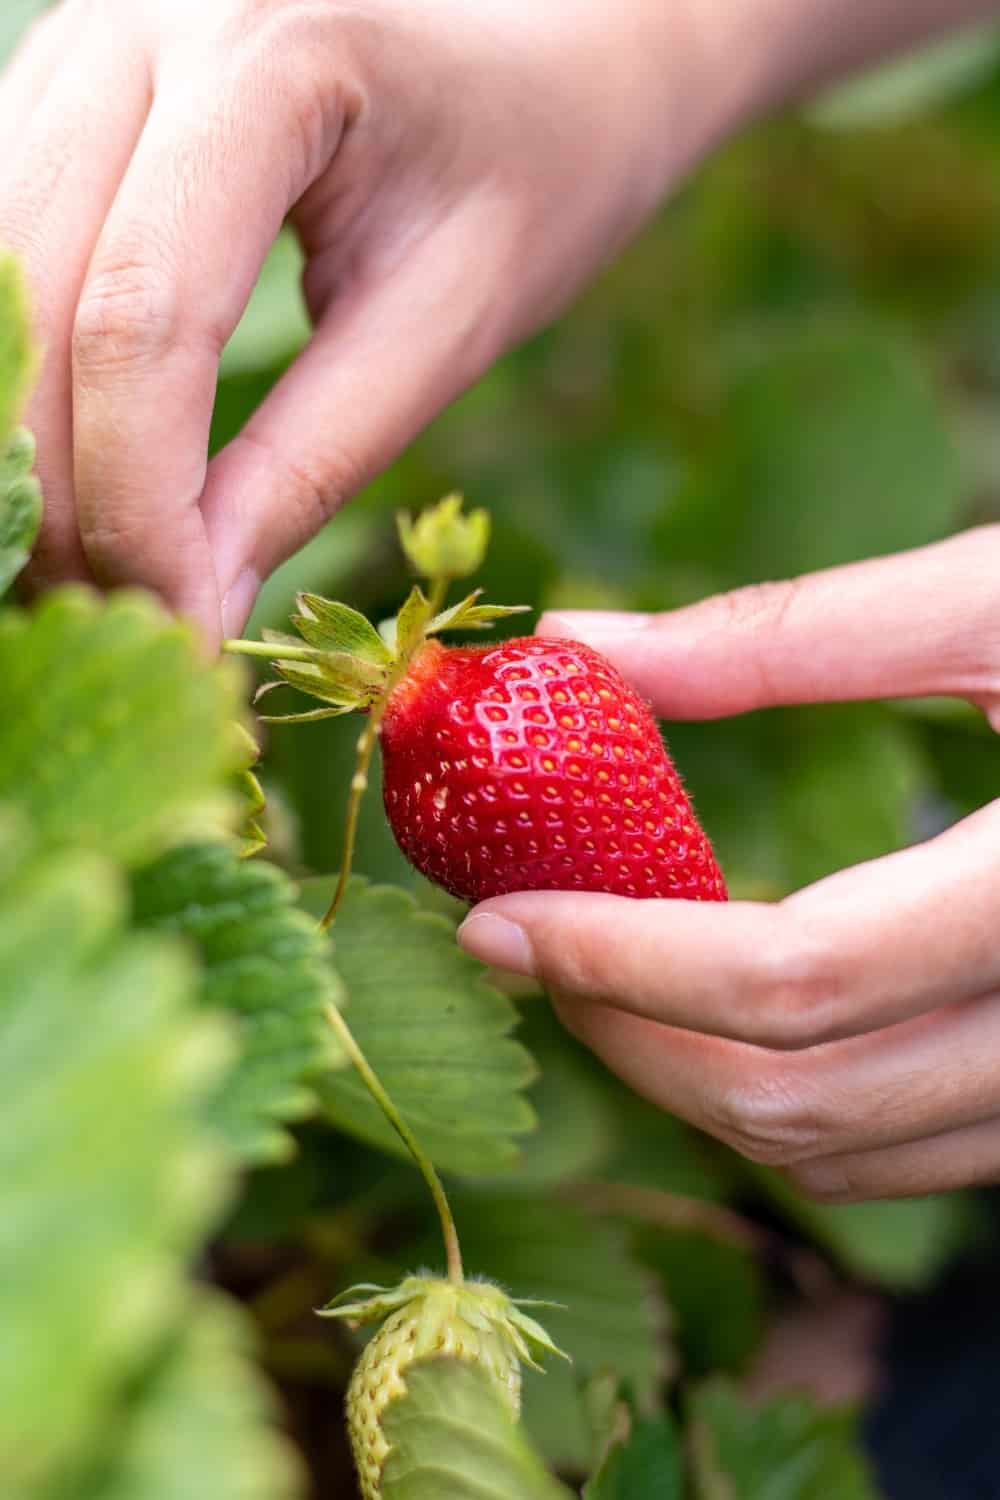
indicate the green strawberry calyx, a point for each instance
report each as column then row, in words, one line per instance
column 443, row 1310
column 338, row 656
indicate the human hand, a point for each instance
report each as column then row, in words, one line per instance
column 454, row 171
column 851, row 1033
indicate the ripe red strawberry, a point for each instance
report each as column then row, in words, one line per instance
column 532, row 765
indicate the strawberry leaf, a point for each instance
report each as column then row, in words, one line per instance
column 432, row 1028
column 609, row 1317
column 337, row 627
column 109, row 1177
column 117, row 737
column 468, row 615
column 265, row 964
column 788, row 1448
column 450, row 1436
column 645, row 1461
column 199, row 1414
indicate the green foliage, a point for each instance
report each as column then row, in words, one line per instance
column 16, row 352
column 265, row 963
column 108, row 1177
column 787, row 1450
column 198, row 1415
column 20, row 495
column 903, row 1243
column 452, row 1439
column 609, row 1317
column 645, row 1461
column 435, row 1032
column 20, row 506
column 716, row 1292
column 115, row 738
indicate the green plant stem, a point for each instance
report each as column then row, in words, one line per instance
column 359, row 785
column 271, row 651
column 372, row 1083
column 366, row 749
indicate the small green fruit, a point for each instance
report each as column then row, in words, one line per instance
column 427, row 1316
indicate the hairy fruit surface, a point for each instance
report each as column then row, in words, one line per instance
column 533, row 765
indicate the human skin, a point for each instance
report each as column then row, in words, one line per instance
column 849, row 1034
column 455, row 171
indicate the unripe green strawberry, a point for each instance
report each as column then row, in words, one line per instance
column 427, row 1316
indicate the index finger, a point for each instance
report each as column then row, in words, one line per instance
column 219, row 163
column 858, row 951
column 921, row 622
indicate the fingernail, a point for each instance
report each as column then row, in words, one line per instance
column 494, row 940
column 239, row 601
column 592, row 624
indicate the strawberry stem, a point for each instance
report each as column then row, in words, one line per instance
column 366, row 749
column 372, row 1083
column 359, row 785
column 272, row 650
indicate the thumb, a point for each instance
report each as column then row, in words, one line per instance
column 919, row 623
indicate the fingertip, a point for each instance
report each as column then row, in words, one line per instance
column 498, row 942
column 591, row 625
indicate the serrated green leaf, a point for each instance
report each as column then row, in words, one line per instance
column 789, row 1449
column 107, row 1176
column 198, row 1421
column 646, row 1462
column 432, row 1028
column 577, row 1122
column 336, row 627
column 263, row 962
column 117, row 736
column 609, row 1316
column 452, row 1439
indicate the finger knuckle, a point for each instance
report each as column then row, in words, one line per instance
column 793, row 986
column 771, row 1119
column 128, row 317
column 311, row 491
